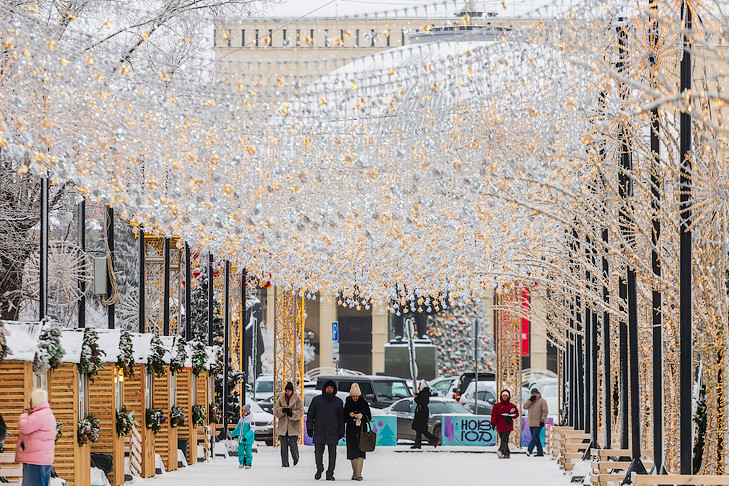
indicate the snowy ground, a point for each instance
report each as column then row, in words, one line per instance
column 385, row 467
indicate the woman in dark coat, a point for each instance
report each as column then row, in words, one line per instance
column 420, row 421
column 356, row 413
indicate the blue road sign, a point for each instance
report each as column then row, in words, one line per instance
column 335, row 331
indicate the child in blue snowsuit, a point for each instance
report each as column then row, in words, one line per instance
column 245, row 433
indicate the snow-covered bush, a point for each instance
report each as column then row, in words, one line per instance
column 199, row 358
column 177, row 416
column 124, row 421
column 216, row 414
column 179, row 356
column 50, row 350
column 90, row 362
column 156, row 360
column 125, row 360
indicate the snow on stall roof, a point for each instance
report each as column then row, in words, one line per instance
column 212, row 352
column 188, row 360
column 168, row 342
column 109, row 344
column 22, row 339
column 141, row 347
column 72, row 341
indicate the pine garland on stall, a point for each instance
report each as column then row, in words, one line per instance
column 50, row 352
column 91, row 354
column 177, row 417
column 179, row 356
column 125, row 360
column 199, row 358
column 88, row 429
column 155, row 418
column 59, row 430
column 124, row 421
column 156, row 360
column 4, row 350
column 198, row 415
column 216, row 414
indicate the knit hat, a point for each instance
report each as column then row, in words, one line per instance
column 289, row 386
column 534, row 390
column 247, row 408
column 38, row 397
column 354, row 390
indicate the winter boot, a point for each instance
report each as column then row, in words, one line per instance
column 354, row 469
column 359, row 464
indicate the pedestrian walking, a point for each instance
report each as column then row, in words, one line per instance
column 325, row 425
column 36, row 440
column 245, row 431
column 502, row 418
column 537, row 411
column 356, row 414
column 289, row 412
column 421, row 418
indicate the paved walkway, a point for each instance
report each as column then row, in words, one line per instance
column 384, row 467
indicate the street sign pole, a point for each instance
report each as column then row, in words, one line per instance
column 335, row 344
column 410, row 330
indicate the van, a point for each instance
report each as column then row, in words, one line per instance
column 379, row 391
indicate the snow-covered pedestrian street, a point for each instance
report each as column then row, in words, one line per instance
column 384, row 467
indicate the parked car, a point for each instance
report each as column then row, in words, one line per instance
column 309, row 395
column 379, row 391
column 267, row 403
column 404, row 410
column 486, row 397
column 440, row 386
column 263, row 388
column 461, row 385
column 263, row 421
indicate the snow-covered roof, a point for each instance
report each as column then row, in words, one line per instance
column 109, row 343
column 212, row 352
column 22, row 339
column 141, row 347
column 188, row 360
column 72, row 341
column 168, row 342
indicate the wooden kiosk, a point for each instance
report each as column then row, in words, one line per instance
column 17, row 381
column 68, row 395
column 186, row 398
column 106, row 396
column 164, row 398
column 138, row 394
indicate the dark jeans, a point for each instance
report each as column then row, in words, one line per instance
column 289, row 442
column 34, row 475
column 536, row 440
column 504, row 443
column 419, row 437
column 319, row 455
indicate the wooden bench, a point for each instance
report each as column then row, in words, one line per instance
column 604, row 469
column 675, row 479
column 12, row 472
column 574, row 443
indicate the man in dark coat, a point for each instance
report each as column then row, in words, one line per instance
column 420, row 421
column 325, row 424
column 502, row 419
column 356, row 413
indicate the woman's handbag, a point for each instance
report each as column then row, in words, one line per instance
column 367, row 438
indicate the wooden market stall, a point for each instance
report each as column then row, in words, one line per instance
column 17, row 379
column 106, row 398
column 186, row 399
column 164, row 398
column 68, row 397
column 138, row 395
column 203, row 398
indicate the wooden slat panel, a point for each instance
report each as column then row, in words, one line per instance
column 166, row 439
column 102, row 403
column 134, row 399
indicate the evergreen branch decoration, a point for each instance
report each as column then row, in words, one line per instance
column 91, row 354
column 50, row 352
column 177, row 417
column 59, row 430
column 198, row 415
column 216, row 414
column 179, row 356
column 155, row 418
column 125, row 360
column 199, row 358
column 156, row 360
column 88, row 430
column 124, row 421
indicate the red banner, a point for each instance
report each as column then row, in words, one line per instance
column 525, row 322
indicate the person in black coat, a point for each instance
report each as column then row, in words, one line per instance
column 3, row 433
column 325, row 425
column 356, row 413
column 420, row 421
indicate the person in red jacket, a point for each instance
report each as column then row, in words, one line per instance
column 502, row 418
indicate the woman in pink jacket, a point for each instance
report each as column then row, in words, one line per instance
column 36, row 440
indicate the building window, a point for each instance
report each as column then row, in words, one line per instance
column 285, row 42
column 229, row 35
column 402, row 40
column 372, row 41
column 341, row 37
column 356, row 38
column 193, row 391
column 118, row 388
column 83, row 392
column 387, row 34
column 149, row 390
column 298, row 37
column 243, row 37
column 215, row 38
column 173, row 389
column 40, row 380
column 257, row 38
column 311, row 33
column 270, row 37
column 327, row 40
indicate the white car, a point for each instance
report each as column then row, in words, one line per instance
column 263, row 421
column 440, row 386
column 263, row 389
column 486, row 397
column 309, row 395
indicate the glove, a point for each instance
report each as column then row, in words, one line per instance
column 289, row 412
column 285, row 410
column 541, row 424
column 532, row 399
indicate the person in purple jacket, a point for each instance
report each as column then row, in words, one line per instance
column 36, row 440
